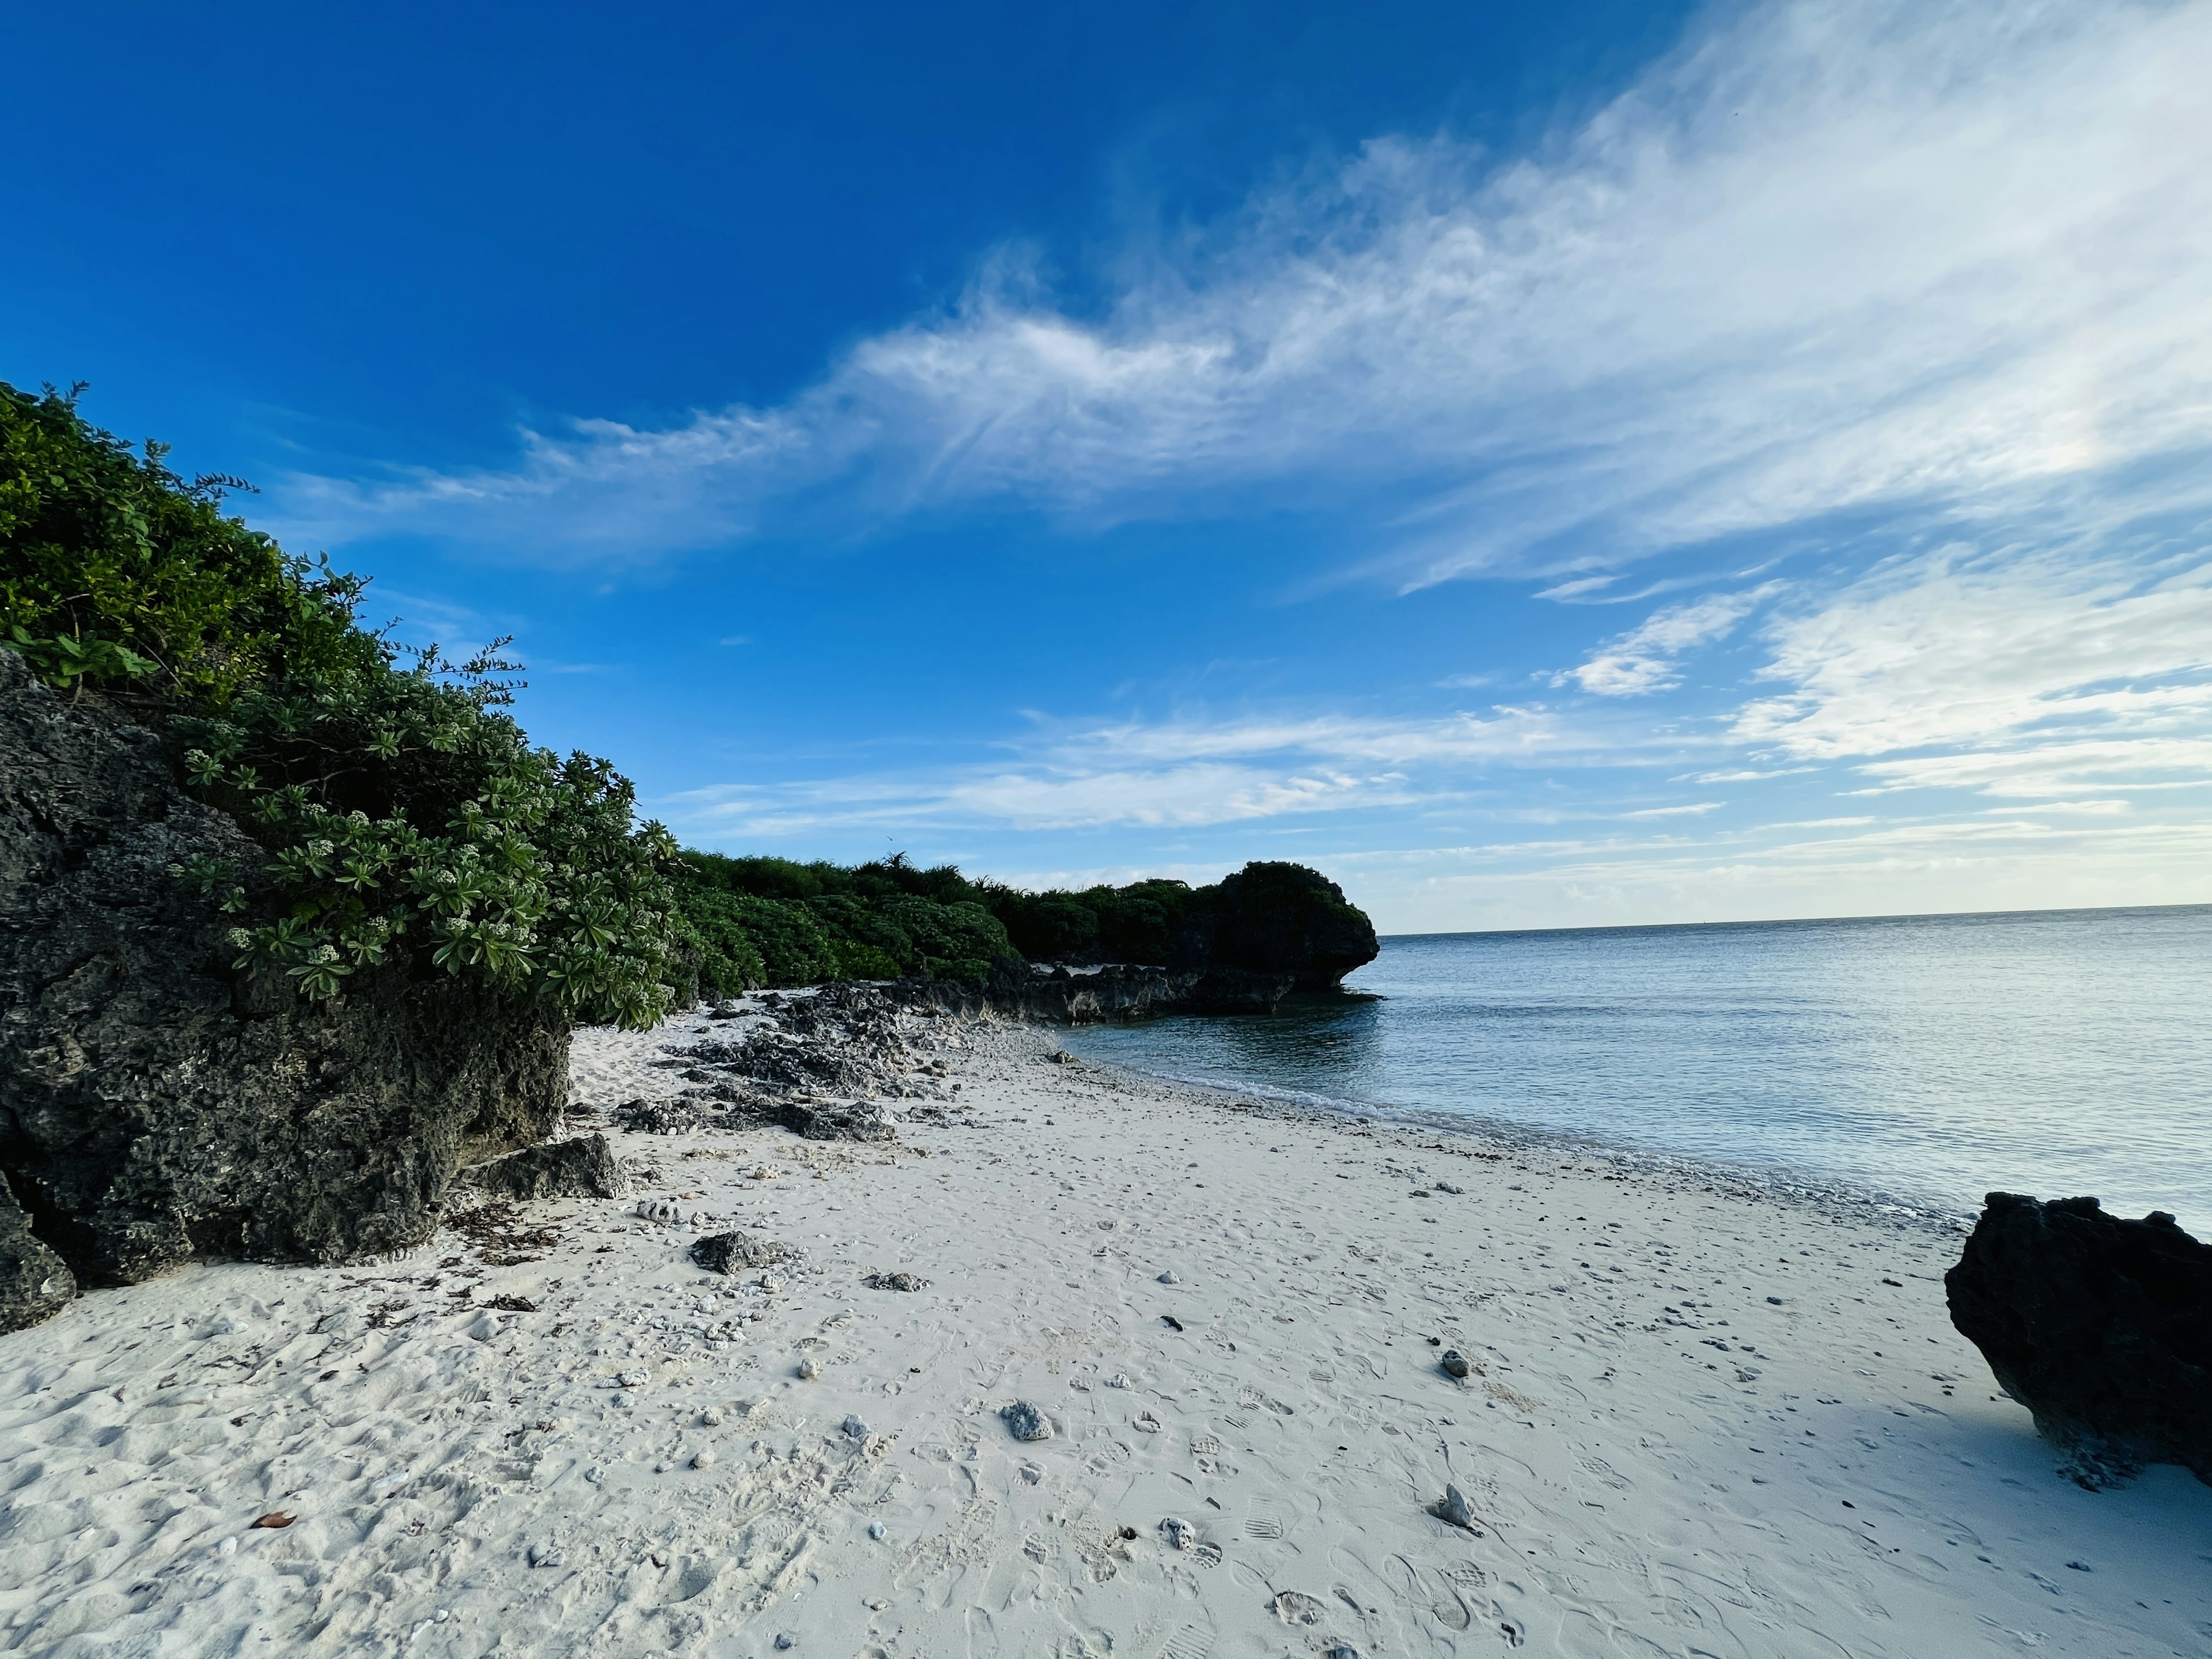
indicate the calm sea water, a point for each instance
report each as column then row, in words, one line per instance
column 1934, row 1058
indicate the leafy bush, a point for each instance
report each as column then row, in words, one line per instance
column 113, row 568
column 954, row 941
column 410, row 824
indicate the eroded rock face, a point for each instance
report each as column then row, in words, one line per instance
column 35, row 1282
column 156, row 1105
column 582, row 1168
column 2100, row 1327
column 1118, row 991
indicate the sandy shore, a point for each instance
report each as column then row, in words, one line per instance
column 1698, row 1422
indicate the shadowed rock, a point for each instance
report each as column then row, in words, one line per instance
column 154, row 1103
column 582, row 1168
column 35, row 1282
column 1276, row 918
column 2100, row 1327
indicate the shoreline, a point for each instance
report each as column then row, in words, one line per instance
column 1778, row 1183
column 1695, row 1421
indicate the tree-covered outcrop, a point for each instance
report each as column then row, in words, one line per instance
column 770, row 921
column 407, row 823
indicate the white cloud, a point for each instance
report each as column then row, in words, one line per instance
column 1184, row 773
column 1828, row 253
column 1643, row 660
column 1035, row 798
column 1698, row 810
column 2040, row 770
column 1575, row 589
column 1961, row 649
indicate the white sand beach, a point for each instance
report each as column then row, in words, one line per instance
column 1698, row 1420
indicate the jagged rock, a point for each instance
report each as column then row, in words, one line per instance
column 582, row 1168
column 1025, row 1422
column 1116, row 991
column 35, row 1282
column 733, row 1253
column 2101, row 1327
column 844, row 1040
column 658, row 1117
column 900, row 1280
column 156, row 1105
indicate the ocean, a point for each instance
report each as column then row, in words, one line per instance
column 1926, row 1059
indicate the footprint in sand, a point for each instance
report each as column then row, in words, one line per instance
column 1295, row 1608
column 1191, row 1642
column 1445, row 1604
column 1604, row 1471
column 1262, row 1520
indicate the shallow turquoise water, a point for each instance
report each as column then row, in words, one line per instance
column 1931, row 1057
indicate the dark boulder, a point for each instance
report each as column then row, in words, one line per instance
column 733, row 1253
column 1271, row 918
column 582, row 1168
column 155, row 1104
column 2100, row 1327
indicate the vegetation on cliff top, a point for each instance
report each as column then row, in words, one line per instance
column 411, row 826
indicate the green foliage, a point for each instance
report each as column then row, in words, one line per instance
column 770, row 921
column 764, row 921
column 892, row 916
column 116, row 569
column 409, row 824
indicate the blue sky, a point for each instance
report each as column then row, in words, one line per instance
column 1544, row 466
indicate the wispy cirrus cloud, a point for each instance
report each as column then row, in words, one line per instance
column 2048, row 676
column 1826, row 254
column 1648, row 658
column 1183, row 772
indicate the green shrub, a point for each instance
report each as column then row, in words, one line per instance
column 956, row 941
column 409, row 824
column 115, row 568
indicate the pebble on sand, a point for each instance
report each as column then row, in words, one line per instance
column 1454, row 1363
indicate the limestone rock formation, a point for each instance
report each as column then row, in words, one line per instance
column 2100, row 1327
column 582, row 1168
column 1085, row 995
column 155, row 1104
column 35, row 1282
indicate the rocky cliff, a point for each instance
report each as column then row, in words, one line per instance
column 155, row 1104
